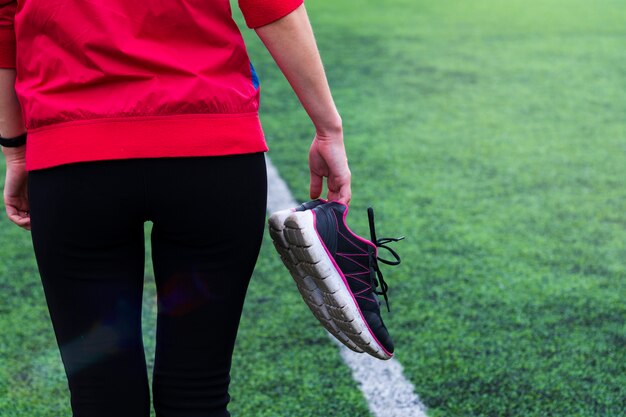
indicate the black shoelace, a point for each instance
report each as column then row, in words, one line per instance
column 376, row 276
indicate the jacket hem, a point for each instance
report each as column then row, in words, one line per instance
column 144, row 137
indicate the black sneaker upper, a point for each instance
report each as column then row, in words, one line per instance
column 310, row 205
column 356, row 257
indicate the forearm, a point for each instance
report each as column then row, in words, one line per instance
column 11, row 123
column 291, row 43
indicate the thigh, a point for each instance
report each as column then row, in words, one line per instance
column 208, row 226
column 87, row 232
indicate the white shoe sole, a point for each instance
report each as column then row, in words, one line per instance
column 311, row 294
column 313, row 259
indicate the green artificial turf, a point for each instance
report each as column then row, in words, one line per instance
column 493, row 135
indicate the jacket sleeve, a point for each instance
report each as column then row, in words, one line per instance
column 7, row 33
column 262, row 12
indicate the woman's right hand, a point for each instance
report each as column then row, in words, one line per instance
column 327, row 158
column 16, row 188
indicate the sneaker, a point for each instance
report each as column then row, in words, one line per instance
column 345, row 268
column 311, row 294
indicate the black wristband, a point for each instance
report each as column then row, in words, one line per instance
column 15, row 142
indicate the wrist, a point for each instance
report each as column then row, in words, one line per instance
column 15, row 155
column 330, row 128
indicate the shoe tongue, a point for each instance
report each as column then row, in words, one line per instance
column 338, row 207
column 310, row 205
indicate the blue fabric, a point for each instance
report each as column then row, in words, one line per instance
column 255, row 77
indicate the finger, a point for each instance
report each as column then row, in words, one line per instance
column 24, row 224
column 315, row 188
column 339, row 188
column 21, row 221
column 344, row 195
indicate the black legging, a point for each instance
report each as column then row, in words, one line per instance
column 88, row 219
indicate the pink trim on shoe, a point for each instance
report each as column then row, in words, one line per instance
column 343, row 277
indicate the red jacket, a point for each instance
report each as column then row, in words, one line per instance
column 113, row 79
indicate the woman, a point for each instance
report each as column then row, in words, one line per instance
column 141, row 111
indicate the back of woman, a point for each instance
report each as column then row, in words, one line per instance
column 114, row 113
column 117, row 79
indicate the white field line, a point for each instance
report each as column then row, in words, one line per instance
column 387, row 391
